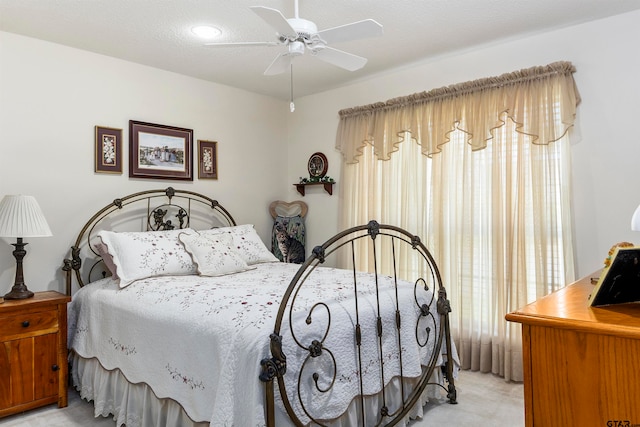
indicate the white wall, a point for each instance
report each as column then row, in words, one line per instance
column 52, row 96
column 606, row 152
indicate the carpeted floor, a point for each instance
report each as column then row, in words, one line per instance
column 484, row 400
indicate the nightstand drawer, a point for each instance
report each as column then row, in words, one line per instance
column 29, row 324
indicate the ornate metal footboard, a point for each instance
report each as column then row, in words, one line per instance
column 387, row 248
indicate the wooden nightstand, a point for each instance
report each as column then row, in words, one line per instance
column 33, row 352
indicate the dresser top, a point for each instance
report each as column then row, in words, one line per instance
column 569, row 308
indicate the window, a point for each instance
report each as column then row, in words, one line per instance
column 495, row 215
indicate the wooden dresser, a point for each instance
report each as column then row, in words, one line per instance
column 581, row 363
column 33, row 356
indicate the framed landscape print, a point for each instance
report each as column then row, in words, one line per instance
column 207, row 160
column 160, row 151
column 108, row 150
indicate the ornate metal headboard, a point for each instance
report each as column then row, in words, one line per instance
column 144, row 211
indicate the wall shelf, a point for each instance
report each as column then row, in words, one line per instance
column 328, row 186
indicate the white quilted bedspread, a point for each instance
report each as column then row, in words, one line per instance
column 199, row 340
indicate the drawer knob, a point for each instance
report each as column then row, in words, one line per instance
column 55, row 368
column 25, row 324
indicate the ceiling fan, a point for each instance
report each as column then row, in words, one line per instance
column 301, row 35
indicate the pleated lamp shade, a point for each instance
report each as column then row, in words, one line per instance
column 21, row 216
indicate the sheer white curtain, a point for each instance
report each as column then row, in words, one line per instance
column 497, row 218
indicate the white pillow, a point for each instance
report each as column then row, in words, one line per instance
column 213, row 255
column 138, row 255
column 246, row 243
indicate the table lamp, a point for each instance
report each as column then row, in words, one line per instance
column 21, row 216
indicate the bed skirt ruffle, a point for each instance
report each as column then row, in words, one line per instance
column 135, row 405
column 132, row 404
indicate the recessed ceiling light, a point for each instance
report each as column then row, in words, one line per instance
column 206, row 31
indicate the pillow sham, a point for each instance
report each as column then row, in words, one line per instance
column 213, row 255
column 138, row 255
column 246, row 243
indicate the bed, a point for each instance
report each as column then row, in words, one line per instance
column 181, row 317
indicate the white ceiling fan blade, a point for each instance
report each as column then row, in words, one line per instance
column 353, row 31
column 276, row 19
column 341, row 59
column 235, row 44
column 279, row 65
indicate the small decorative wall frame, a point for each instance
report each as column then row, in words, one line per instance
column 317, row 165
column 108, row 150
column 160, row 151
column 207, row 159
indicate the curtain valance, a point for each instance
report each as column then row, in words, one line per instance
column 529, row 97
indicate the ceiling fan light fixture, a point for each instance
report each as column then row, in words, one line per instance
column 296, row 48
column 206, row 31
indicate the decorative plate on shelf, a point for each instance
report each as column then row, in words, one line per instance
column 317, row 165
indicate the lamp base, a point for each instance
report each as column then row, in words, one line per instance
column 19, row 292
column 19, row 289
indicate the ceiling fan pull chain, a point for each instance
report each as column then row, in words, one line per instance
column 292, row 106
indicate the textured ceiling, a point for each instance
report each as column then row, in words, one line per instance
column 157, row 32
